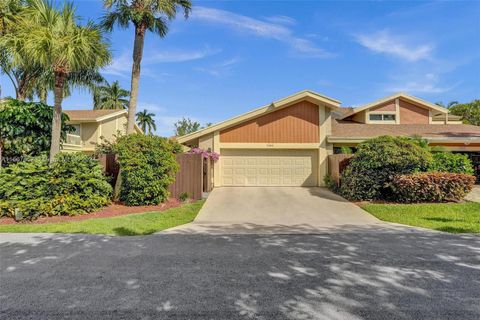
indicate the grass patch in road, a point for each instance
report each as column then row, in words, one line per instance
column 127, row 225
column 448, row 217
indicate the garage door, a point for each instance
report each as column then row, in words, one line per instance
column 242, row 167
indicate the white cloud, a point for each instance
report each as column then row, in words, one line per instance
column 281, row 19
column 387, row 43
column 122, row 64
column 270, row 30
column 428, row 83
column 220, row 69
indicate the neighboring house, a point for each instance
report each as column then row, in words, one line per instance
column 287, row 142
column 93, row 125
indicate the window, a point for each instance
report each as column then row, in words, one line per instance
column 77, row 129
column 382, row 117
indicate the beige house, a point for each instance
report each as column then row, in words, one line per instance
column 93, row 125
column 287, row 142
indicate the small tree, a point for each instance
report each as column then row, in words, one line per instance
column 186, row 126
column 146, row 121
column 25, row 129
column 470, row 112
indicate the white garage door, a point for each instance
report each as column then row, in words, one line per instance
column 248, row 167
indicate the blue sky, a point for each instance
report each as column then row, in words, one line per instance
column 232, row 56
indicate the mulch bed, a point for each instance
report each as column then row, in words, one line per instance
column 112, row 210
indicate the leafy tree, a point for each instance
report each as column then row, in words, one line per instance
column 145, row 120
column 470, row 112
column 145, row 15
column 111, row 96
column 186, row 126
column 61, row 46
column 25, row 129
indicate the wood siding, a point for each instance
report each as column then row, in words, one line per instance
column 412, row 114
column 294, row 124
column 189, row 177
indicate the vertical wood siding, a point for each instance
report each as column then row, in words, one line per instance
column 189, row 176
column 294, row 124
column 412, row 114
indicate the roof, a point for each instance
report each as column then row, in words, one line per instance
column 402, row 95
column 275, row 105
column 93, row 115
column 349, row 130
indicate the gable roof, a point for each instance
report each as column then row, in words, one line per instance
column 93, row 115
column 307, row 95
column 401, row 95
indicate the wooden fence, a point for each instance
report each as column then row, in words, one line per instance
column 194, row 176
column 336, row 164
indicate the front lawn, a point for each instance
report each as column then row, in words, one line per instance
column 449, row 217
column 127, row 225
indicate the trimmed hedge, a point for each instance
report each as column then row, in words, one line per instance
column 432, row 187
column 148, row 166
column 73, row 184
column 451, row 162
column 377, row 161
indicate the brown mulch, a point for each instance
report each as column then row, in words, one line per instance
column 112, row 210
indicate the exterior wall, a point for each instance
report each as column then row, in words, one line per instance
column 90, row 135
column 110, row 128
column 388, row 106
column 358, row 117
column 412, row 114
column 206, row 142
column 294, row 124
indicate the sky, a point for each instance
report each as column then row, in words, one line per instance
column 230, row 57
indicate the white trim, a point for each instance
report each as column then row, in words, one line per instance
column 397, row 111
column 399, row 95
column 429, row 139
column 274, row 106
column 217, row 179
column 224, row 145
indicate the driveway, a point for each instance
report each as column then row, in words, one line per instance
column 381, row 274
column 277, row 210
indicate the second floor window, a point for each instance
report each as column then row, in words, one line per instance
column 382, row 117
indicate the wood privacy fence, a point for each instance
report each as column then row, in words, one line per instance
column 336, row 164
column 194, row 176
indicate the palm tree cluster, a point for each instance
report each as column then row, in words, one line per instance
column 45, row 48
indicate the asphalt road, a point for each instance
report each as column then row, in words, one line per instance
column 357, row 274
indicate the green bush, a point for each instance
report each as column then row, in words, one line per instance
column 451, row 162
column 73, row 184
column 432, row 187
column 377, row 161
column 148, row 167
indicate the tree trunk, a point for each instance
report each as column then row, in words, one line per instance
column 137, row 60
column 57, row 114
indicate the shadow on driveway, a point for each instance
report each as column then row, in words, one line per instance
column 354, row 274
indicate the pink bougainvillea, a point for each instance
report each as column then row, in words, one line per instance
column 205, row 153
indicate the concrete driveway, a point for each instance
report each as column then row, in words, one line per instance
column 277, row 210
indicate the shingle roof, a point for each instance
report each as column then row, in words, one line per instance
column 341, row 128
column 89, row 115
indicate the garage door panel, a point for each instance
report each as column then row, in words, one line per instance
column 268, row 167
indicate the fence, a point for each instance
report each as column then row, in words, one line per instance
column 336, row 164
column 194, row 174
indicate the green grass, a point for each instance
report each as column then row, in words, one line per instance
column 448, row 217
column 127, row 225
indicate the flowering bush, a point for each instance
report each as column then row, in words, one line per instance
column 205, row 153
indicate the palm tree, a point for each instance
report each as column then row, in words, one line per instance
column 70, row 52
column 145, row 15
column 448, row 106
column 145, row 120
column 110, row 96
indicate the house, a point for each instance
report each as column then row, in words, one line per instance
column 93, row 125
column 287, row 142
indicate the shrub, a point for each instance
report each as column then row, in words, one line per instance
column 451, row 162
column 377, row 161
column 148, row 167
column 432, row 187
column 73, row 184
column 183, row 196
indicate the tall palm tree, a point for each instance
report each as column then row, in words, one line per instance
column 151, row 15
column 111, row 96
column 145, row 120
column 55, row 40
column 448, row 106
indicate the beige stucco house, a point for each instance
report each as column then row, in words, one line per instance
column 93, row 125
column 287, row 142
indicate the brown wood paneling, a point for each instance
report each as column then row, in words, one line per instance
column 412, row 114
column 189, row 176
column 295, row 124
column 336, row 164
